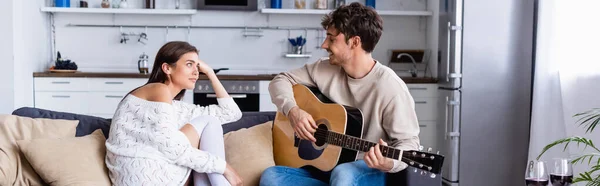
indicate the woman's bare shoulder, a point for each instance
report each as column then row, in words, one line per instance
column 157, row 92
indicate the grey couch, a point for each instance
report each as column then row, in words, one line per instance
column 87, row 124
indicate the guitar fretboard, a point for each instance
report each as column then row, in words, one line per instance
column 354, row 143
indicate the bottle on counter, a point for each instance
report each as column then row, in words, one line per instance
column 300, row 4
column 105, row 4
column 370, row 3
column 143, row 63
column 123, row 4
column 150, row 4
column 321, row 4
column 339, row 3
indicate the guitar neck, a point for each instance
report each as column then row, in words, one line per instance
column 354, row 143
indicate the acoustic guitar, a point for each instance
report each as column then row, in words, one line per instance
column 338, row 137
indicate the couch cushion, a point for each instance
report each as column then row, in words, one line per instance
column 68, row 161
column 87, row 124
column 250, row 151
column 14, row 168
column 248, row 120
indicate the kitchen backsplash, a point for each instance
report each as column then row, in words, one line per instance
column 99, row 48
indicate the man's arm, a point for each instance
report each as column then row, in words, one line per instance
column 401, row 125
column 280, row 87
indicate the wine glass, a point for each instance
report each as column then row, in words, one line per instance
column 562, row 174
column 536, row 174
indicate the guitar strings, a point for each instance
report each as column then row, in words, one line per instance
column 402, row 152
column 324, row 136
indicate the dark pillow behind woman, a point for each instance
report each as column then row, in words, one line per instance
column 87, row 124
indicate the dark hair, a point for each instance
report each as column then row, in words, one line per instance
column 356, row 19
column 168, row 53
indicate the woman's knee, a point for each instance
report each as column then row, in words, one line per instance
column 206, row 122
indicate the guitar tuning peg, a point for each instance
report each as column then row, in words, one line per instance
column 432, row 157
column 432, row 175
column 422, row 155
column 429, row 168
column 420, row 148
column 420, row 165
column 423, row 173
column 438, row 152
column 429, row 149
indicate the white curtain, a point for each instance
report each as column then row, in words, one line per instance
column 567, row 74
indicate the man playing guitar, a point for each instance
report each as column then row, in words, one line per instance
column 350, row 77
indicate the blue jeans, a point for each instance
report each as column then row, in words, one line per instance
column 346, row 174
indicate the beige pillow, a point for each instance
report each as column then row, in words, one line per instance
column 68, row 161
column 14, row 169
column 250, row 151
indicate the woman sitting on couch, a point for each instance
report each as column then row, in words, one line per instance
column 155, row 139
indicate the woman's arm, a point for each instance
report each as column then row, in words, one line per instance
column 212, row 77
column 226, row 110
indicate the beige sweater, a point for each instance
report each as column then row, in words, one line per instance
column 387, row 106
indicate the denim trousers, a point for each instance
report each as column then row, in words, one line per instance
column 346, row 174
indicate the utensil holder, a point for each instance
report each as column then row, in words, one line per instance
column 297, row 49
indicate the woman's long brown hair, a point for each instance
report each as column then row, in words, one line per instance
column 168, row 53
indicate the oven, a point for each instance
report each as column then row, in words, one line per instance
column 245, row 93
column 243, row 5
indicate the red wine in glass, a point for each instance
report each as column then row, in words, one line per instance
column 562, row 173
column 536, row 182
column 561, row 180
column 536, row 174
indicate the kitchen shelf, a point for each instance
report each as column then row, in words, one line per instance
column 298, row 55
column 119, row 11
column 323, row 12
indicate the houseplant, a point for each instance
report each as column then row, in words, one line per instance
column 589, row 120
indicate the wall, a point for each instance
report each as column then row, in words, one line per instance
column 31, row 48
column 98, row 48
column 6, row 54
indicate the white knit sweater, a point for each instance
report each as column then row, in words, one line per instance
column 145, row 146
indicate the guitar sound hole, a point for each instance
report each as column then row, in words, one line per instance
column 321, row 135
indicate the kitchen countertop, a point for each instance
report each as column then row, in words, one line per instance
column 221, row 76
column 137, row 75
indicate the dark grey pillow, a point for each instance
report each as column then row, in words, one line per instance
column 87, row 124
column 248, row 120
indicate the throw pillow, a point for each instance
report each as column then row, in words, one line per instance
column 14, row 168
column 69, row 161
column 250, row 151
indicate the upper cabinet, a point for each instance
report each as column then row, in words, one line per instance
column 323, row 12
column 119, row 11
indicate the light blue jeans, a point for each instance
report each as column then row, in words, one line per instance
column 347, row 174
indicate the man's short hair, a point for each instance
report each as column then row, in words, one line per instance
column 359, row 20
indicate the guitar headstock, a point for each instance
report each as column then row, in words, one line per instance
column 427, row 161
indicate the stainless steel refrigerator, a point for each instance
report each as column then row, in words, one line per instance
column 485, row 78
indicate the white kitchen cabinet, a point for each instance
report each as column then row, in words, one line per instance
column 265, row 103
column 61, row 84
column 115, row 84
column 427, row 135
column 62, row 101
column 426, row 102
column 102, row 103
column 91, row 96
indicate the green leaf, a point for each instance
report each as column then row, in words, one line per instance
column 583, row 157
column 589, row 119
column 566, row 141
